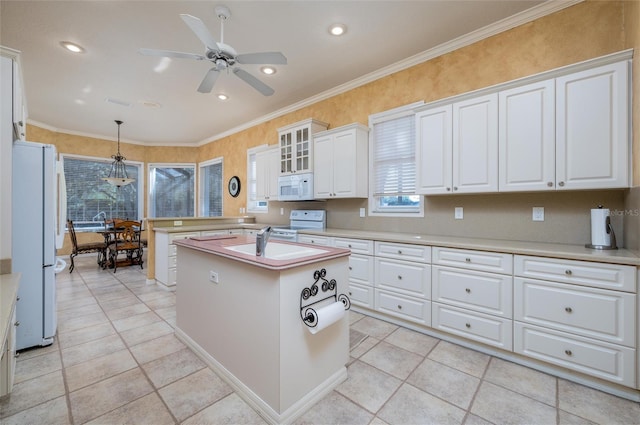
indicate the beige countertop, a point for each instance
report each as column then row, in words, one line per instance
column 218, row 245
column 572, row 252
column 8, row 294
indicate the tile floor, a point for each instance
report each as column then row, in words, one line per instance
column 116, row 361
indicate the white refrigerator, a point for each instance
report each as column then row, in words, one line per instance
column 34, row 239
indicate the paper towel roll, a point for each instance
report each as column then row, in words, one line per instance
column 327, row 316
column 599, row 234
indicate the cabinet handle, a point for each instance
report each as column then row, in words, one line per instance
column 468, row 325
column 17, row 298
column 448, row 189
column 16, row 355
column 400, row 252
column 399, row 277
column 468, row 290
column 568, row 272
column 468, row 260
column 568, row 352
column 17, row 323
column 549, row 184
column 350, row 293
column 349, row 245
column 350, row 268
column 455, row 187
column 561, row 184
column 399, row 307
column 568, row 309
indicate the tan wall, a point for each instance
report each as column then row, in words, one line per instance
column 584, row 31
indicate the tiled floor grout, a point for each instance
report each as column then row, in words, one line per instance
column 170, row 405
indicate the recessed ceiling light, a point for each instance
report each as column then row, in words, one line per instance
column 149, row 104
column 337, row 29
column 72, row 47
column 222, row 96
column 269, row 70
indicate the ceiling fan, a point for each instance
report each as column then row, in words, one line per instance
column 223, row 56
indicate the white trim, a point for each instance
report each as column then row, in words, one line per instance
column 391, row 114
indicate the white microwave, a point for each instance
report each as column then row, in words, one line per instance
column 295, row 187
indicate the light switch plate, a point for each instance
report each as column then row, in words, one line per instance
column 458, row 213
column 362, row 212
column 538, row 214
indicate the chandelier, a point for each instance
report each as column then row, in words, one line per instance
column 118, row 174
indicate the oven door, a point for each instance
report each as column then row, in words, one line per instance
column 284, row 235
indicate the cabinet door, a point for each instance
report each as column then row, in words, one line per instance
column 434, row 151
column 475, row 145
column 303, row 150
column 592, row 140
column 526, row 138
column 272, row 176
column 286, row 153
column 323, row 167
column 262, row 176
column 344, row 164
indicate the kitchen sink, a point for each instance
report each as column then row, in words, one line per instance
column 278, row 251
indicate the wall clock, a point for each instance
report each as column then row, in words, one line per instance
column 234, row 186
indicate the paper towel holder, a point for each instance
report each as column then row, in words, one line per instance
column 308, row 297
column 609, row 228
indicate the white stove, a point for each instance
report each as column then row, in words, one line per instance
column 298, row 220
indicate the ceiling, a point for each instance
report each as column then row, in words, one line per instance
column 67, row 92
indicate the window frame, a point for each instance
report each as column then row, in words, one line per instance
column 108, row 161
column 375, row 209
column 150, row 197
column 251, row 203
column 201, row 194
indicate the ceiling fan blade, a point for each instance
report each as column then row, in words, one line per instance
column 170, row 54
column 208, row 81
column 253, row 82
column 271, row 58
column 200, row 30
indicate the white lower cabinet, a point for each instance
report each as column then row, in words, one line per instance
column 314, row 240
column 408, row 308
column 361, row 270
column 485, row 328
column 570, row 316
column 166, row 261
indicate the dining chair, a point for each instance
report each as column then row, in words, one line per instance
column 84, row 248
column 125, row 240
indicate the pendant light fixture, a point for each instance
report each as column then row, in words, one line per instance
column 118, row 174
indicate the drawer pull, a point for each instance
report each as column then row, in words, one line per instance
column 468, row 290
column 399, row 307
column 468, row 325
column 399, row 277
column 350, row 293
column 568, row 272
column 468, row 260
column 568, row 352
column 568, row 309
column 350, row 268
column 349, row 245
column 400, row 251
column 16, row 355
column 17, row 323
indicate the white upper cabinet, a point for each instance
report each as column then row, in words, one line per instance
column 475, row 145
column 267, row 172
column 341, row 162
column 592, row 128
column 526, row 137
column 296, row 146
column 434, row 151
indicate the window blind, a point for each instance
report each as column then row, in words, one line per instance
column 212, row 190
column 172, row 191
column 394, row 165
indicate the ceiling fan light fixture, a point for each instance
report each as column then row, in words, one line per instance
column 268, row 70
column 337, row 29
column 72, row 47
column 118, row 174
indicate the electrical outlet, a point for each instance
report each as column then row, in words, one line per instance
column 362, row 212
column 281, row 211
column 213, row 276
column 458, row 213
column 538, row 214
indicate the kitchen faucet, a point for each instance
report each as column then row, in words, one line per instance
column 261, row 240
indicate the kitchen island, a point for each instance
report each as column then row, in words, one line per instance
column 243, row 315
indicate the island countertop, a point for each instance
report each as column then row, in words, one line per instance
column 220, row 244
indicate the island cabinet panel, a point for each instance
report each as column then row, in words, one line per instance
column 166, row 263
column 361, row 270
column 248, row 327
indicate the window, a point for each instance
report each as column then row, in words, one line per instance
column 253, row 205
column 172, row 190
column 91, row 200
column 392, row 163
column 211, row 188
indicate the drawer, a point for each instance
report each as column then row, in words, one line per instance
column 315, row 240
column 598, row 275
column 493, row 262
column 214, row 232
column 357, row 246
column 361, row 269
column 480, row 327
column 172, row 261
column 361, row 295
column 600, row 359
column 483, row 292
column 236, row 231
column 402, row 276
column 400, row 251
column 408, row 308
column 173, row 277
column 591, row 312
column 173, row 250
column 178, row 236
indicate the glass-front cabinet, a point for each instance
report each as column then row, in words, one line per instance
column 296, row 146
